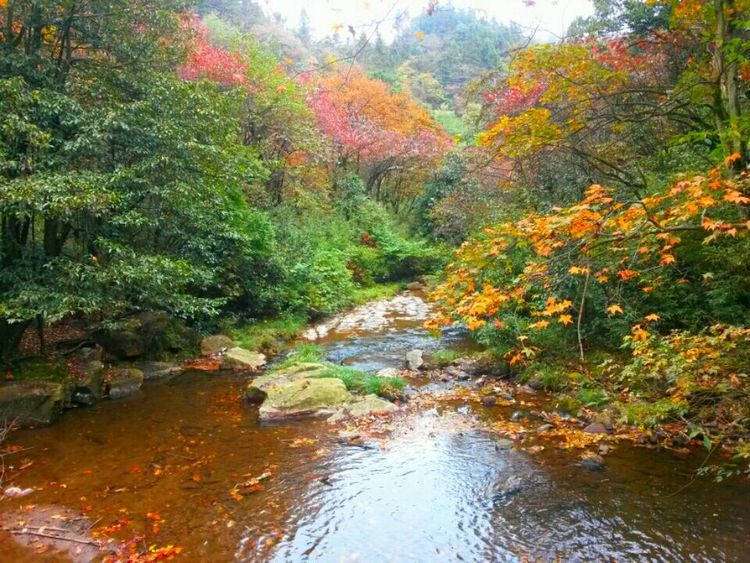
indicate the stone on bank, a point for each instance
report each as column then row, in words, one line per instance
column 31, row 403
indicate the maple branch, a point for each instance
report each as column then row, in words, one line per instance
column 580, row 311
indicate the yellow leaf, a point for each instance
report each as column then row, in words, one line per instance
column 614, row 309
column 667, row 259
column 652, row 317
column 565, row 319
column 736, row 197
column 419, row 35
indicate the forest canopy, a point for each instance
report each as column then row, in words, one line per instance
column 587, row 196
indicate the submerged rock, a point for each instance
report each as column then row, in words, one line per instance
column 367, row 405
column 30, row 403
column 591, row 461
column 511, row 487
column 216, row 343
column 243, row 360
column 489, row 401
column 49, row 529
column 123, row 382
column 159, row 370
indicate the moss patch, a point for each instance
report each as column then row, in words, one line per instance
column 41, row 369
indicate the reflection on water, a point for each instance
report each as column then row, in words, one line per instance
column 437, row 494
column 436, row 489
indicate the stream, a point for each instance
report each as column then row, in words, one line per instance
column 431, row 485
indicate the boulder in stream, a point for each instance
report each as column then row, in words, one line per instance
column 158, row 370
column 414, row 359
column 259, row 387
column 592, row 461
column 365, row 406
column 123, row 382
column 304, row 397
column 239, row 359
column 299, row 390
column 216, row 343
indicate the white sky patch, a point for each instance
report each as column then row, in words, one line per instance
column 550, row 17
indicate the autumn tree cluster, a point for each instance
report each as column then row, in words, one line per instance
column 622, row 156
column 155, row 159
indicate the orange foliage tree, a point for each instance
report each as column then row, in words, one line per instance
column 543, row 272
column 386, row 137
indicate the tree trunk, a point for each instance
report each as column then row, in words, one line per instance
column 10, row 340
column 726, row 76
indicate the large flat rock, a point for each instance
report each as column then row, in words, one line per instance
column 304, row 397
column 31, row 403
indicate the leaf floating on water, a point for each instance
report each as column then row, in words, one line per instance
column 300, row 442
column 250, row 486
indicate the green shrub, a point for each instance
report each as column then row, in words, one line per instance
column 368, row 265
column 593, row 397
column 267, row 334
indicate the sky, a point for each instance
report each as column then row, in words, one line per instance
column 551, row 17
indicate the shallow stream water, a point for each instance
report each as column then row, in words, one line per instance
column 434, row 488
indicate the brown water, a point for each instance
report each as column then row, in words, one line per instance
column 433, row 489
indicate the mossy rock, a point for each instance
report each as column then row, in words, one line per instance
column 158, row 370
column 123, row 382
column 370, row 404
column 216, row 343
column 41, row 369
column 31, row 403
column 89, row 379
column 151, row 334
column 257, row 391
column 304, row 397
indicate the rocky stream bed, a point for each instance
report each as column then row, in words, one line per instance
column 287, row 465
